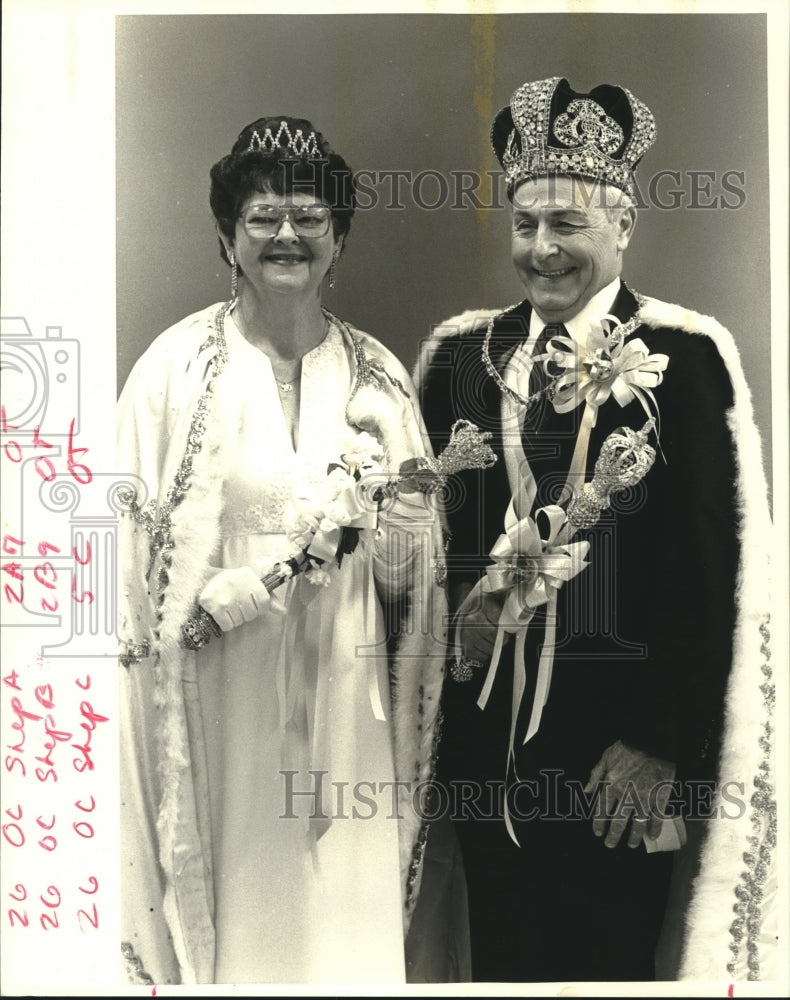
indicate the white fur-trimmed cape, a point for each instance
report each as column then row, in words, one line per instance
column 731, row 920
column 168, row 904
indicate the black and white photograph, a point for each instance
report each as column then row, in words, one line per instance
column 394, row 457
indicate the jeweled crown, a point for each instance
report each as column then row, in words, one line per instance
column 285, row 143
column 550, row 129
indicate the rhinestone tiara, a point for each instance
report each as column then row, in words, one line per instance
column 296, row 144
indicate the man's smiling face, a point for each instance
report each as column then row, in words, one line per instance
column 567, row 244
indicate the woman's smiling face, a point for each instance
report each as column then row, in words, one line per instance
column 288, row 261
column 566, row 243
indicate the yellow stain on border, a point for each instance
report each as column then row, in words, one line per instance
column 483, row 44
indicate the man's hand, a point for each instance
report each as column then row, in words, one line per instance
column 234, row 596
column 635, row 787
column 477, row 620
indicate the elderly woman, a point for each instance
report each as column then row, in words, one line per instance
column 265, row 837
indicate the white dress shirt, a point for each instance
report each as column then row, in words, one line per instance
column 595, row 310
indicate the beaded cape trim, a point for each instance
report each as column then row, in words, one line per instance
column 418, row 851
column 745, row 929
column 127, row 500
column 161, row 530
column 177, row 491
column 134, row 966
column 134, row 652
column 618, row 334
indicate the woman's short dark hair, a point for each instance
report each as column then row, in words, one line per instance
column 282, row 155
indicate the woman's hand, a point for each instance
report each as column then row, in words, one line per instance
column 234, row 596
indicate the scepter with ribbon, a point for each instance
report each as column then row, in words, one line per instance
column 353, row 507
column 534, row 557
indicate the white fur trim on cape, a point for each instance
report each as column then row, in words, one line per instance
column 723, row 943
column 463, row 323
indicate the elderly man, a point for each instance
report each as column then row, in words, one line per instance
column 603, row 596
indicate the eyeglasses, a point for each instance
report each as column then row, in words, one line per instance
column 261, row 222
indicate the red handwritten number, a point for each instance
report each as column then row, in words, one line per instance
column 41, row 463
column 86, row 809
column 45, row 547
column 11, row 545
column 81, row 827
column 18, row 836
column 21, row 917
column 92, row 920
column 75, row 468
column 84, row 686
column 17, row 451
column 20, row 889
column 94, row 882
column 52, row 890
column 49, row 920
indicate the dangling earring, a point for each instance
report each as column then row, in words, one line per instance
column 335, row 255
column 234, row 277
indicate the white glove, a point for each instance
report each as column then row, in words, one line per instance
column 234, row 596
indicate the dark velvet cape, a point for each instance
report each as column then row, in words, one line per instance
column 645, row 639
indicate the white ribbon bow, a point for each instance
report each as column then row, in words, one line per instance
column 530, row 570
column 601, row 367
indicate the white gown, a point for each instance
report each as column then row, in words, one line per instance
column 297, row 901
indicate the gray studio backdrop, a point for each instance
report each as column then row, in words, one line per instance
column 417, row 93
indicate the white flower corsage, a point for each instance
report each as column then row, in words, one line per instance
column 605, row 365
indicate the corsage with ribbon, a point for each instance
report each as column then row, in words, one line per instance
column 608, row 364
column 326, row 520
